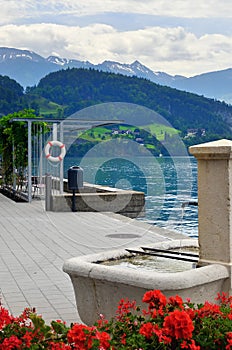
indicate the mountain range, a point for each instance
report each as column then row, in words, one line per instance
column 28, row 68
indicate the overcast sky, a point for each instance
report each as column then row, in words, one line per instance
column 186, row 37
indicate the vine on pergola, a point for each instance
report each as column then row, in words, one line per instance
column 14, row 143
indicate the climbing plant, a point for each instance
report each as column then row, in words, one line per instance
column 13, row 144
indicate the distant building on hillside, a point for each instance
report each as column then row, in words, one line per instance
column 195, row 132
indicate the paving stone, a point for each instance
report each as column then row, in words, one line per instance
column 35, row 244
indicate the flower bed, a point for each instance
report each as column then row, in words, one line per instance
column 165, row 323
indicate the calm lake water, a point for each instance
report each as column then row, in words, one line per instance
column 168, row 183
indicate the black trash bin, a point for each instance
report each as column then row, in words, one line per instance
column 75, row 182
column 75, row 178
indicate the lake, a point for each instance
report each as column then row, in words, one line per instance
column 168, row 183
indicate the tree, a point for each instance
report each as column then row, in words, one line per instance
column 13, row 144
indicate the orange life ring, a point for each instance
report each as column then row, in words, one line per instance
column 62, row 151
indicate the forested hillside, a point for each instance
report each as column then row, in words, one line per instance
column 11, row 96
column 65, row 92
column 13, row 99
column 79, row 88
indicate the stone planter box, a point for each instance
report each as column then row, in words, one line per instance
column 99, row 288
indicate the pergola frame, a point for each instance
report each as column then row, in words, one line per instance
column 91, row 124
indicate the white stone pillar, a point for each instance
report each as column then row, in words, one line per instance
column 215, row 202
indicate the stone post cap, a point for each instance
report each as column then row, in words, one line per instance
column 220, row 149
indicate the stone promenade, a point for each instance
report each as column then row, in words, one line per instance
column 34, row 245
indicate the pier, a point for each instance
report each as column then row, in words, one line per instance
column 35, row 244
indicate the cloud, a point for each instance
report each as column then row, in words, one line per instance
column 174, row 50
column 14, row 11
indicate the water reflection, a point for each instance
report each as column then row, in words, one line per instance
column 160, row 180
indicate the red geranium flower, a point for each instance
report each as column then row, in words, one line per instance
column 147, row 329
column 81, row 336
column 11, row 343
column 155, row 296
column 176, row 301
column 156, row 300
column 103, row 338
column 191, row 345
column 27, row 339
column 5, row 317
column 178, row 324
column 125, row 306
column 59, row 346
column 229, row 341
column 209, row 309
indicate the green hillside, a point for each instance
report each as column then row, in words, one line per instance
column 80, row 88
column 44, row 107
column 194, row 118
column 14, row 99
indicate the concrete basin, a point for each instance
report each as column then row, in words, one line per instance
column 99, row 288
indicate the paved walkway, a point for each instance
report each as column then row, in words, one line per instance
column 34, row 245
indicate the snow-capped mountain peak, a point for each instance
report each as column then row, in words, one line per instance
column 28, row 68
column 16, row 54
column 57, row 60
